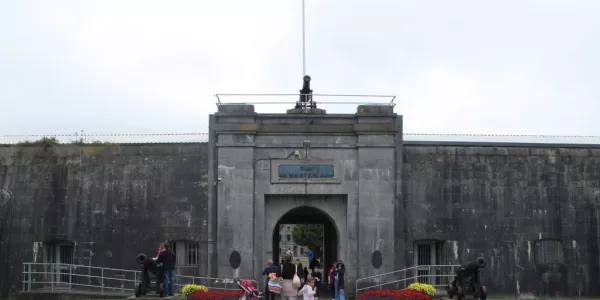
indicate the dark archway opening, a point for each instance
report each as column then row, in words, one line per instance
column 308, row 215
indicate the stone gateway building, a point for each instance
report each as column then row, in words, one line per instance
column 386, row 204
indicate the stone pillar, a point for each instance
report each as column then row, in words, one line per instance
column 234, row 183
column 400, row 237
column 377, row 132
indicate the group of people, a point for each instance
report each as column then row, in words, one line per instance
column 310, row 285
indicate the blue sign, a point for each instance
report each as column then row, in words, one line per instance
column 306, row 172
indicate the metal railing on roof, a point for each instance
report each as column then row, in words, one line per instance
column 442, row 139
column 386, row 100
column 70, row 278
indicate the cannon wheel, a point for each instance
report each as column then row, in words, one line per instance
column 138, row 290
column 159, row 287
column 459, row 293
column 483, row 293
column 450, row 291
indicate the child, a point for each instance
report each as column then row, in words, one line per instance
column 309, row 290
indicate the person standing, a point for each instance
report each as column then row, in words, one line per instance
column 269, row 269
column 161, row 248
column 288, row 271
column 305, row 274
column 338, row 275
column 331, row 280
column 318, row 277
column 308, row 291
column 299, row 272
column 167, row 259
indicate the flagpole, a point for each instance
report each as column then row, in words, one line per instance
column 303, row 43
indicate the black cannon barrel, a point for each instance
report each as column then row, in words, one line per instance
column 305, row 85
column 305, row 91
column 146, row 262
column 475, row 265
column 481, row 262
column 141, row 258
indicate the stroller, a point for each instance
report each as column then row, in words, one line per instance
column 151, row 272
column 467, row 281
column 250, row 292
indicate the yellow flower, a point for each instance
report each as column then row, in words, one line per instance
column 189, row 289
column 423, row 288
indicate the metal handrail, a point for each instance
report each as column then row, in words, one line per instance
column 199, row 280
column 405, row 278
column 63, row 277
column 386, row 103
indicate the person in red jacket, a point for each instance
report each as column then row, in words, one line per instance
column 161, row 248
column 330, row 279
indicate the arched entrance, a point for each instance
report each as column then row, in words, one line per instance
column 309, row 215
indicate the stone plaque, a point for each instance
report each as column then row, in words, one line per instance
column 305, row 171
column 308, row 171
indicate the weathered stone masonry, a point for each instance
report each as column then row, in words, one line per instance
column 362, row 146
column 113, row 201
column 498, row 201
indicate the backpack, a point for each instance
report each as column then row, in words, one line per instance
column 274, row 284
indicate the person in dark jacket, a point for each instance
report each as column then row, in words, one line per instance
column 338, row 274
column 167, row 259
column 270, row 268
column 318, row 277
column 306, row 274
column 288, row 270
column 300, row 272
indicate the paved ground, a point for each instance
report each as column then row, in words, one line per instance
column 82, row 292
column 153, row 297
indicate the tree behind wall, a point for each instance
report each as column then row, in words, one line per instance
column 309, row 235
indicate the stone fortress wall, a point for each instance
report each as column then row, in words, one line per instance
column 521, row 207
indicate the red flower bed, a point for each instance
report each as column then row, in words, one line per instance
column 216, row 295
column 405, row 294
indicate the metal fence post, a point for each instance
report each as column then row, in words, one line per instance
column 29, row 280
column 102, row 281
column 134, row 280
column 405, row 278
column 70, row 276
column 53, row 268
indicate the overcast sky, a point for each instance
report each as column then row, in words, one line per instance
column 507, row 67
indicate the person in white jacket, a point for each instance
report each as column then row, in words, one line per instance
column 309, row 290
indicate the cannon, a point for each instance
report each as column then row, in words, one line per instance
column 467, row 281
column 306, row 94
column 151, row 273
